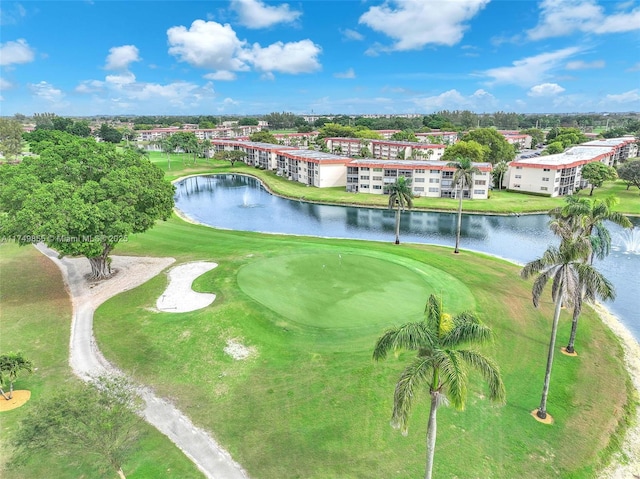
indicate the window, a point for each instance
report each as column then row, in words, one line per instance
column 516, row 185
column 546, row 169
column 419, row 180
column 364, row 168
column 543, row 188
column 364, row 186
column 434, row 172
column 420, row 171
column 518, row 167
column 378, row 170
column 364, row 177
column 545, row 178
column 377, row 178
column 481, row 182
column 434, row 180
column 433, row 190
column 418, row 188
column 478, row 192
column 377, row 187
column 518, row 176
column 557, row 180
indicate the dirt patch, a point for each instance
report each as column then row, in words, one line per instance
column 20, row 397
column 237, row 350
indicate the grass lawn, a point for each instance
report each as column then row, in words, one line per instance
column 35, row 319
column 500, row 202
column 311, row 403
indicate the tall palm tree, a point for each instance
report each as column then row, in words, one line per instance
column 462, row 178
column 565, row 267
column 499, row 169
column 441, row 365
column 585, row 216
column 400, row 197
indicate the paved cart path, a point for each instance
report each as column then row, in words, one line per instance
column 87, row 361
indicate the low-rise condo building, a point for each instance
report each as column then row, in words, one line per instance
column 623, row 148
column 313, row 168
column 260, row 155
column 385, row 149
column 428, row 178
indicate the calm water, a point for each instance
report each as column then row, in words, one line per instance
column 241, row 203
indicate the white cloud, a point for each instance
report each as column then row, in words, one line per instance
column 207, row 45
column 46, row 91
column 124, row 78
column 16, row 52
column 5, row 84
column 221, row 75
column 416, row 23
column 119, row 58
column 229, row 101
column 563, row 17
column 257, row 14
column 292, row 57
column 350, row 73
column 626, row 97
column 530, row 70
column 349, row 34
column 90, row 86
column 453, row 99
column 545, row 89
column 580, row 65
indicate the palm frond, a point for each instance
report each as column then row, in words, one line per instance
column 489, row 371
column 410, row 336
column 467, row 330
column 453, row 374
column 418, row 373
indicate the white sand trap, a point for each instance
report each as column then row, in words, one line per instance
column 179, row 297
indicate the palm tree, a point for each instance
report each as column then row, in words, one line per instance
column 399, row 197
column 10, row 367
column 499, row 169
column 584, row 216
column 565, row 266
column 440, row 365
column 462, row 178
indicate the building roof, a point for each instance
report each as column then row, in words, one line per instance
column 572, row 157
column 412, row 164
column 610, row 142
column 314, row 156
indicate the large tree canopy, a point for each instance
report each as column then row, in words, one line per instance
column 499, row 147
column 630, row 173
column 471, row 149
column 82, row 197
column 597, row 173
column 10, row 138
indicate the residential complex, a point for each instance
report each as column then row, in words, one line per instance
column 385, row 149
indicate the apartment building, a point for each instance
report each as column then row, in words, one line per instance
column 438, row 137
column 555, row 175
column 428, row 178
column 623, row 148
column 517, row 139
column 385, row 149
column 260, row 155
column 200, row 133
column 313, row 168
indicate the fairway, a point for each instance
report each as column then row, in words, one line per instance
column 348, row 291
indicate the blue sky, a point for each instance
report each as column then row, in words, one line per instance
column 350, row 56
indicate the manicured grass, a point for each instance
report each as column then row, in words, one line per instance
column 312, row 404
column 35, row 319
column 500, row 201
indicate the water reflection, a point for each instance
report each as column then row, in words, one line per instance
column 241, row 203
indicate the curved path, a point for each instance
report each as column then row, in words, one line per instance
column 87, row 361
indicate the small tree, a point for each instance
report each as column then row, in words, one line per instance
column 97, row 420
column 630, row 173
column 597, row 173
column 499, row 170
column 11, row 365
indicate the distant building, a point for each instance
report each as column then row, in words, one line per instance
column 385, row 149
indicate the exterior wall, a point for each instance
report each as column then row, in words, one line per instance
column 385, row 150
column 312, row 168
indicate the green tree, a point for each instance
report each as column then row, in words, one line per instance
column 463, row 179
column 499, row 169
column 263, row 136
column 80, row 128
column 466, row 149
column 441, row 365
column 536, row 134
column 230, row 155
column 565, row 267
column 82, row 198
column 400, row 197
column 98, row 420
column 10, row 138
column 597, row 173
column 499, row 147
column 630, row 173
column 11, row 365
column 554, row 148
column 109, row 134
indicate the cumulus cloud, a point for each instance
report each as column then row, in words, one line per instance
column 626, row 97
column 349, row 34
column 580, row 65
column 46, row 91
column 412, row 24
column 90, row 86
column 350, row 73
column 119, row 58
column 257, row 14
column 453, row 99
column 531, row 70
column 564, row 17
column 13, row 53
column 207, row 45
column 545, row 89
column 124, row 78
column 292, row 57
column 221, row 75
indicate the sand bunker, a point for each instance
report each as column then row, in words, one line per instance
column 179, row 297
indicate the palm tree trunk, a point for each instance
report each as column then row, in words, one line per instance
column 398, row 225
column 577, row 309
column 431, row 434
column 121, row 474
column 3, row 394
column 542, row 410
column 459, row 223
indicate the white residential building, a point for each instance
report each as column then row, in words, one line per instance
column 260, row 155
column 385, row 149
column 428, row 178
column 313, row 168
column 624, row 147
